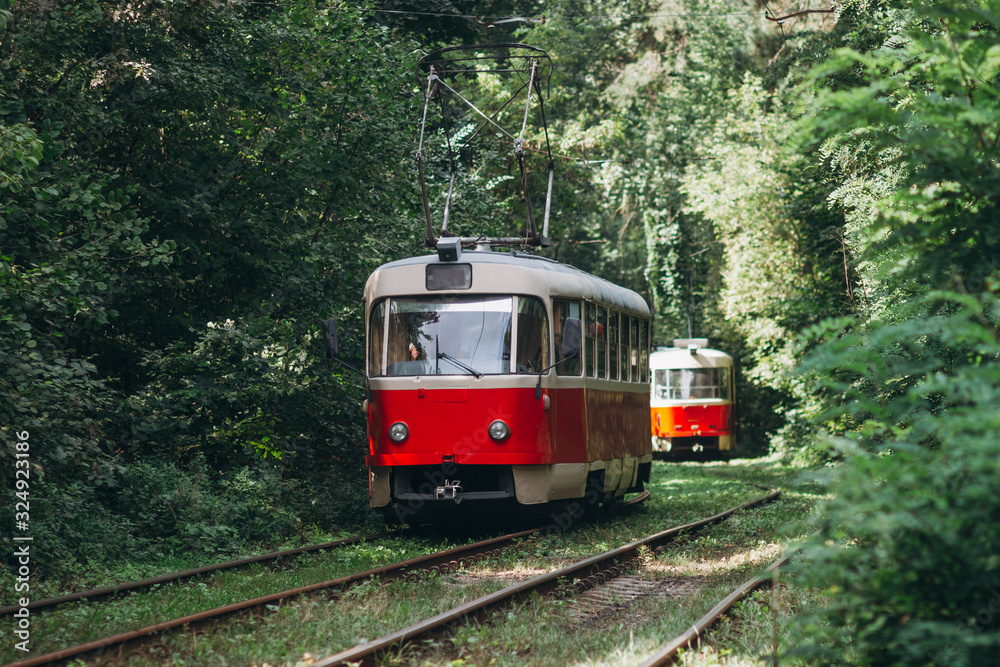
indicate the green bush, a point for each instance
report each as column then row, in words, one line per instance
column 195, row 163
column 908, row 551
column 908, row 555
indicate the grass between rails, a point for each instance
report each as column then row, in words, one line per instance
column 759, row 629
column 706, row 566
column 539, row 632
column 79, row 622
column 101, row 574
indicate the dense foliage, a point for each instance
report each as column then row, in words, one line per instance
column 908, row 550
column 188, row 188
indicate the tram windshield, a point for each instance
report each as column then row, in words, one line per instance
column 687, row 384
column 456, row 335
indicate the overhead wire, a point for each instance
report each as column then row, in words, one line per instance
column 519, row 141
column 489, row 23
column 531, row 88
column 769, row 15
column 546, row 18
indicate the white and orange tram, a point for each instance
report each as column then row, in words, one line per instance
column 692, row 409
column 502, row 379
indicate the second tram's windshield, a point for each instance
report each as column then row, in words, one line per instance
column 455, row 335
column 686, row 384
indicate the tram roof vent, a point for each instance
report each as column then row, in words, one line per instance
column 449, row 248
column 691, row 344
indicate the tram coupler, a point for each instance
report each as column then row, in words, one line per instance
column 449, row 491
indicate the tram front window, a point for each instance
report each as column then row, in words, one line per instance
column 446, row 335
column 687, row 384
column 660, row 388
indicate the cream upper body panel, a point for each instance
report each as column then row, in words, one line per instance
column 676, row 357
column 504, row 273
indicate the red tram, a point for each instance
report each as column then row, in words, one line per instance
column 498, row 379
column 502, row 378
column 691, row 404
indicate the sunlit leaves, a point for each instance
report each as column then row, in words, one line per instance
column 913, row 381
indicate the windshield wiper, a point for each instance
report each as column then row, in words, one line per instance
column 464, row 367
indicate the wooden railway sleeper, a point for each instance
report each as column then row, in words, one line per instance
column 604, row 576
column 454, row 565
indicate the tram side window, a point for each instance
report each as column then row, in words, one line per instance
column 562, row 311
column 593, row 333
column 634, row 350
column 602, row 342
column 695, row 383
column 532, row 335
column 375, row 332
column 612, row 345
column 644, row 351
column 624, row 350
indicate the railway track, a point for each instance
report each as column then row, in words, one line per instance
column 583, row 574
column 669, row 653
column 106, row 591
column 441, row 561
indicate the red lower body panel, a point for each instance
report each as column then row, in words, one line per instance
column 452, row 426
column 681, row 421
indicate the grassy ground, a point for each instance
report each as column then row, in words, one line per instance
column 538, row 632
column 701, row 569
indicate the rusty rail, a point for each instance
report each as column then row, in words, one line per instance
column 439, row 561
column 668, row 654
column 588, row 569
column 163, row 578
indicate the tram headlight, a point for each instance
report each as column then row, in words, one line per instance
column 398, row 432
column 499, row 430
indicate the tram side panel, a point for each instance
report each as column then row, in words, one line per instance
column 563, row 473
column 619, row 435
